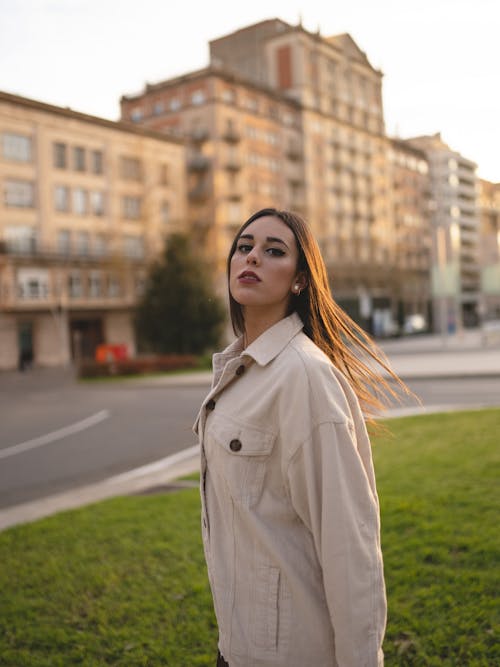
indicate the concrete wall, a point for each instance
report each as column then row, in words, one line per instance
column 51, row 340
column 8, row 343
column 118, row 328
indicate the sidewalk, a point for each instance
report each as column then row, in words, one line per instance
column 411, row 357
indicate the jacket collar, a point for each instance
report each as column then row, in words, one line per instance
column 265, row 348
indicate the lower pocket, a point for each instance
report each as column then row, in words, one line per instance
column 271, row 612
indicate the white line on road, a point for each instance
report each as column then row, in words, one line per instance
column 55, row 435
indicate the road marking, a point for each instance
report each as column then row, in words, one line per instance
column 55, row 435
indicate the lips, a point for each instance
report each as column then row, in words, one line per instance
column 249, row 277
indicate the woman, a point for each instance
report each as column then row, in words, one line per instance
column 290, row 516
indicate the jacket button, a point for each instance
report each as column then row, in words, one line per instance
column 235, row 445
column 240, row 370
column 210, row 404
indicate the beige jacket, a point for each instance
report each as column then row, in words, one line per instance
column 290, row 515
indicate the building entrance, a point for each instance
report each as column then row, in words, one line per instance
column 25, row 345
column 85, row 335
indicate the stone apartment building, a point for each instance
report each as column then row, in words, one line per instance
column 489, row 250
column 409, row 200
column 286, row 117
column 456, row 285
column 243, row 150
column 85, row 204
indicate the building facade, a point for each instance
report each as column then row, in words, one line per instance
column 456, row 279
column 489, row 250
column 288, row 118
column 86, row 203
column 409, row 201
column 243, row 150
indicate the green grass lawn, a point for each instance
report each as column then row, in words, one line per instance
column 124, row 582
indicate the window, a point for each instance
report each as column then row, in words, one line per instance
column 198, row 97
column 158, row 108
column 97, row 162
column 133, row 246
column 19, row 194
column 175, row 104
column 83, row 243
column 64, row 241
column 136, row 114
column 164, row 174
column 252, row 104
column 20, row 239
column 131, row 168
column 131, row 208
column 33, row 283
column 114, row 285
column 165, row 212
column 80, row 201
column 100, row 245
column 97, row 203
column 228, row 95
column 140, row 284
column 234, row 213
column 78, row 158
column 75, row 285
column 61, row 198
column 60, row 156
column 17, row 147
column 95, row 284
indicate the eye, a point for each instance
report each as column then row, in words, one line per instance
column 275, row 252
column 244, row 248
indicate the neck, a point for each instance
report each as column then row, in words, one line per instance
column 257, row 321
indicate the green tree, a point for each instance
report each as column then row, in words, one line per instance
column 179, row 312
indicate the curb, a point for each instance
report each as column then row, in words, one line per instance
column 158, row 474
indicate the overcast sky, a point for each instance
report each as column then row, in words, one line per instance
column 440, row 58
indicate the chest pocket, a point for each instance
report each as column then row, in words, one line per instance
column 239, row 454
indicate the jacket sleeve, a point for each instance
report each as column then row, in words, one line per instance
column 332, row 494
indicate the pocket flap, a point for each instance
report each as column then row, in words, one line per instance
column 253, row 441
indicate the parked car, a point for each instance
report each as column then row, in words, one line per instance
column 415, row 323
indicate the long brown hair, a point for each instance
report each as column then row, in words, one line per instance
column 348, row 346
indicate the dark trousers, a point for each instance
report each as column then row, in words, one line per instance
column 220, row 661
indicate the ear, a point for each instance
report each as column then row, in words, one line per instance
column 301, row 280
column 299, row 283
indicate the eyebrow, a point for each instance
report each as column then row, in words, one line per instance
column 269, row 239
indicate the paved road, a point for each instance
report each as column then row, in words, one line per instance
column 57, row 434
column 55, row 437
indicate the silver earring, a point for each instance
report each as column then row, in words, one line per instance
column 296, row 289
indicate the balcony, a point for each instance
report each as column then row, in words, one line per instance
column 199, row 163
column 48, row 255
column 199, row 135
column 294, row 151
column 232, row 164
column 42, row 297
column 231, row 135
column 200, row 193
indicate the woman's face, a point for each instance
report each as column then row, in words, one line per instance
column 263, row 269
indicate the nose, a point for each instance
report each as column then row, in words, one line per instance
column 253, row 257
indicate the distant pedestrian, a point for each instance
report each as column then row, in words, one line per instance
column 289, row 506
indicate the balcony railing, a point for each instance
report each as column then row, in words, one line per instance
column 294, row 151
column 199, row 163
column 199, row 193
column 50, row 253
column 232, row 164
column 231, row 135
column 42, row 296
column 199, row 135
